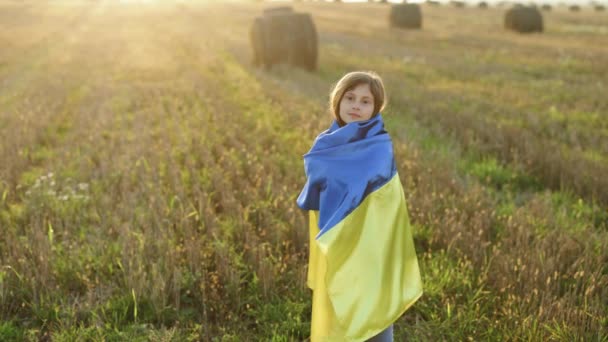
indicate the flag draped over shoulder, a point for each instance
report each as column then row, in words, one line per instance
column 363, row 268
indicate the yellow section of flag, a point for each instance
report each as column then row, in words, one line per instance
column 364, row 271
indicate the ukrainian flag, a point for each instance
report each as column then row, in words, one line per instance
column 363, row 268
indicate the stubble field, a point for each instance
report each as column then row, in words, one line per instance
column 148, row 172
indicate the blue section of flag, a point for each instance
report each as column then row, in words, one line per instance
column 344, row 165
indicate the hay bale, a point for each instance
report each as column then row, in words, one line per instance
column 256, row 36
column 284, row 38
column 303, row 43
column 457, row 3
column 272, row 38
column 483, row 5
column 599, row 8
column 575, row 8
column 546, row 7
column 433, row 2
column 524, row 20
column 278, row 10
column 405, row 16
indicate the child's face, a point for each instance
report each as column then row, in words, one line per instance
column 357, row 104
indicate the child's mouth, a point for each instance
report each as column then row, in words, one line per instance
column 354, row 115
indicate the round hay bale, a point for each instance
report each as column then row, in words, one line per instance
column 278, row 10
column 457, row 3
column 524, row 20
column 284, row 38
column 575, row 8
column 483, row 5
column 274, row 39
column 303, row 43
column 433, row 2
column 405, row 16
column 256, row 36
column 599, row 8
column 546, row 7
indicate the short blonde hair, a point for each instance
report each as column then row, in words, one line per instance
column 350, row 81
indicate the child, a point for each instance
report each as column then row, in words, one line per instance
column 363, row 268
